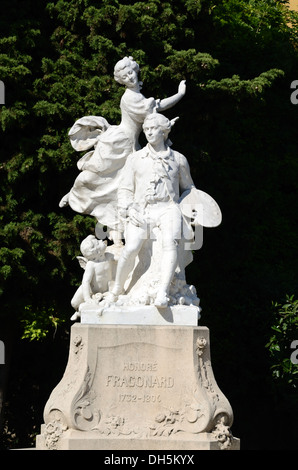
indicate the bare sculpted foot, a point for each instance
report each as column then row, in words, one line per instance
column 161, row 300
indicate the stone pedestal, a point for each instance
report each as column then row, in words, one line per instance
column 184, row 315
column 137, row 387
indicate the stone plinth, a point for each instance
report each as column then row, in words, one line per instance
column 137, row 387
column 141, row 314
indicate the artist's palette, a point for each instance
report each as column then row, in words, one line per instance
column 201, row 208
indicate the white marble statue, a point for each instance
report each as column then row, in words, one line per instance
column 139, row 368
column 144, row 196
column 95, row 189
column 152, row 182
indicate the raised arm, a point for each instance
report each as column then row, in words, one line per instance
column 169, row 102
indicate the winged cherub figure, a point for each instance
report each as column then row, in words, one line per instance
column 98, row 266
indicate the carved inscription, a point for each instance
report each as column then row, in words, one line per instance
column 142, row 366
column 126, row 397
column 151, row 381
column 138, row 377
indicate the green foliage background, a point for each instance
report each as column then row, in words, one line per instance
column 281, row 343
column 238, row 130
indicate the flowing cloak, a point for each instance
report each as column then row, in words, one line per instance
column 95, row 189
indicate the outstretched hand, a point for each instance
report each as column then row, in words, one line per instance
column 182, row 87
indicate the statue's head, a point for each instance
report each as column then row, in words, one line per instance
column 91, row 245
column 161, row 121
column 123, row 65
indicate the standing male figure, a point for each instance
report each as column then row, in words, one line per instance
column 152, row 181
